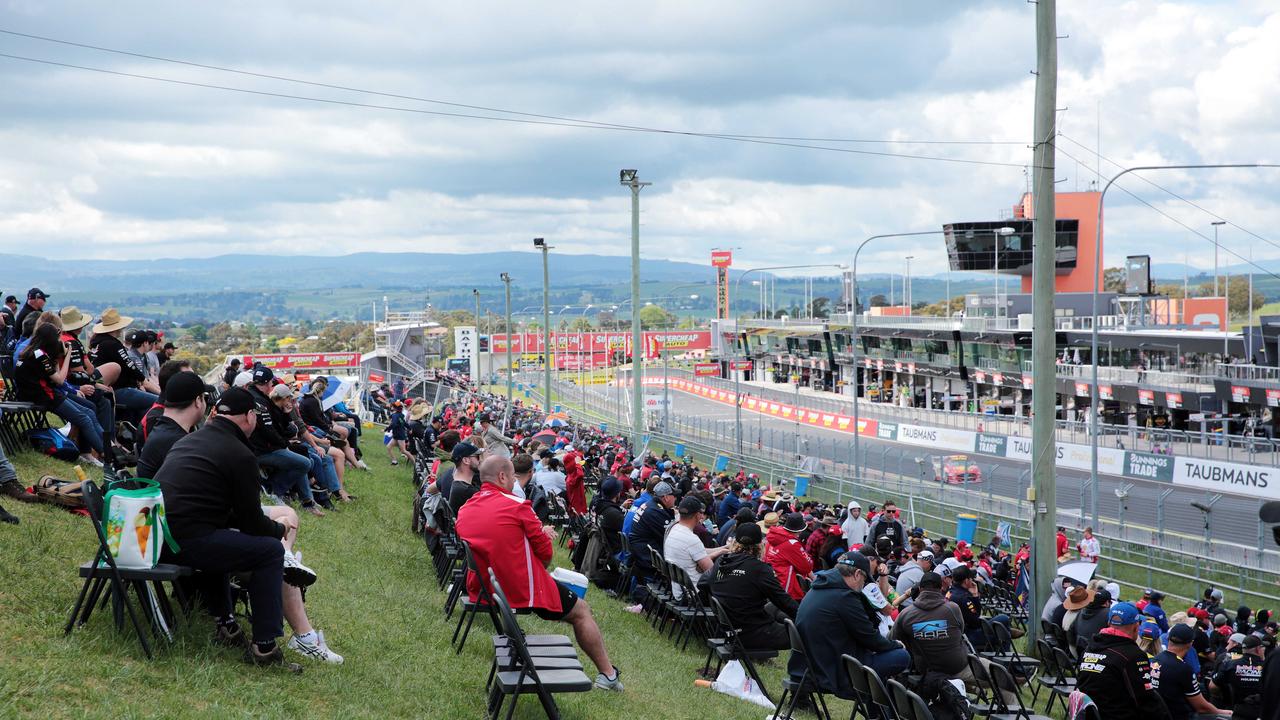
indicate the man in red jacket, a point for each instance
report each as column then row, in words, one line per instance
column 506, row 536
column 787, row 556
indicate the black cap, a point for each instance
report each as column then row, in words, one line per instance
column 856, row 560
column 1181, row 634
column 748, row 533
column 1250, row 641
column 235, row 401
column 10, row 298
column 930, row 581
column 690, row 506
column 262, row 374
column 183, row 388
column 462, row 450
column 36, row 294
column 170, row 346
column 235, row 362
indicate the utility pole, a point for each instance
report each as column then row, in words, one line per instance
column 546, row 322
column 1216, row 224
column 506, row 280
column 628, row 178
column 476, row 294
column 1043, row 497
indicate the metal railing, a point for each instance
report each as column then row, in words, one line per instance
column 1177, row 564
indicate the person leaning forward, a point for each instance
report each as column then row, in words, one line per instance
column 1115, row 673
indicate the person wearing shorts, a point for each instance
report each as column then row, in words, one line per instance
column 506, row 537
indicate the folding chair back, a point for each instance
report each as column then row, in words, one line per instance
column 1002, row 686
column 881, row 701
column 858, row 681
column 910, row 705
column 796, row 689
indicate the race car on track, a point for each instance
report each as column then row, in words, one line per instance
column 956, row 470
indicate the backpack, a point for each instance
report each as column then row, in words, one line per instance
column 48, row 441
column 945, row 701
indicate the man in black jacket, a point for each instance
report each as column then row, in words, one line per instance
column 888, row 525
column 210, row 485
column 184, row 407
column 270, row 442
column 835, row 618
column 749, row 590
column 1115, row 673
column 932, row 628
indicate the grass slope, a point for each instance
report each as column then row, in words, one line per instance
column 376, row 600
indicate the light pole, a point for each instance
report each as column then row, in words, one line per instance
column 476, row 294
column 737, row 396
column 1216, row 224
column 506, row 281
column 542, row 245
column 628, row 178
column 906, row 283
column 853, row 350
column 1093, row 339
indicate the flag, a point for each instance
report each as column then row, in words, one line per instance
column 1023, row 588
column 1005, row 531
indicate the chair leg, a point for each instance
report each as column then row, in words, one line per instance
column 75, row 609
column 822, row 704
column 95, row 595
column 778, row 708
column 466, row 610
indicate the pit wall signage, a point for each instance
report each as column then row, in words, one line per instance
column 1254, row 481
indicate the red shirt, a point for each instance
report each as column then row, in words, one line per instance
column 1063, row 544
column 788, row 558
column 505, row 535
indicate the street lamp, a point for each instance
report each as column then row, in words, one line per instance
column 628, row 178
column 542, row 245
column 1216, row 224
column 906, row 284
column 476, row 294
column 853, row 333
column 1097, row 267
column 506, row 280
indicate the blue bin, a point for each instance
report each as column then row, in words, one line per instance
column 802, row 485
column 966, row 527
column 722, row 463
column 679, row 450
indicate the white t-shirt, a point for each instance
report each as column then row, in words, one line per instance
column 683, row 549
column 551, row 480
column 871, row 592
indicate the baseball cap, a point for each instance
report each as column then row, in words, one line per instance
column 280, row 391
column 1181, row 634
column 262, row 374
column 690, row 506
column 926, row 555
column 1114, row 590
column 10, row 298
column 748, row 534
column 183, row 388
column 463, row 450
column 1236, row 638
column 930, row 581
column 36, row 294
column 855, row 560
column 943, row 570
column 1250, row 642
column 663, row 489
column 1123, row 614
column 1216, row 594
column 235, row 401
column 244, row 377
column 1157, row 596
column 1149, row 629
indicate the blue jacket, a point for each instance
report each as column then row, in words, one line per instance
column 728, row 508
column 834, row 620
column 1157, row 613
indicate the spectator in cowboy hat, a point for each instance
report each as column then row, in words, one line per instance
column 119, row 370
column 787, row 556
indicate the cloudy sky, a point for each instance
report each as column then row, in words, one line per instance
column 98, row 165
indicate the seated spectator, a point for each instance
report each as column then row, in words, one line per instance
column 683, row 548
column 316, row 417
column 1239, row 679
column 139, row 344
column 932, row 629
column 825, row 526
column 422, row 436
column 727, row 530
column 1090, row 620
column 326, row 462
column 648, row 529
column 210, row 484
column 34, row 304
column 81, row 374
column 497, row 524
column 911, row 573
column 270, row 443
column 575, row 489
column 167, row 371
column 552, row 477
column 749, row 591
column 1176, row 682
column 118, row 369
column 1156, row 612
column 526, row 489
column 466, row 481
column 184, row 408
column 1115, row 673
column 11, row 486
column 834, row 619
column 40, row 378
column 964, row 592
column 608, row 516
column 787, row 556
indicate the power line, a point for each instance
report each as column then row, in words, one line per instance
column 524, row 121
column 1192, row 230
column 483, row 108
column 1153, row 183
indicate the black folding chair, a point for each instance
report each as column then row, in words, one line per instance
column 731, row 648
column 853, row 668
column 529, row 677
column 1003, row 687
column 148, row 584
column 910, row 705
column 881, row 700
column 484, row 601
column 797, row 689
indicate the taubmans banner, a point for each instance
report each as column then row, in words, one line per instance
column 304, row 360
column 1255, row 481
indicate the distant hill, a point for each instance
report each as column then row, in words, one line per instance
column 373, row 270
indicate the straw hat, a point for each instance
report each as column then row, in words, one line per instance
column 770, row 519
column 112, row 321
column 73, row 319
column 419, row 411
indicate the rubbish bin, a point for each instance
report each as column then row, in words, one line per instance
column 966, row 527
column 679, row 450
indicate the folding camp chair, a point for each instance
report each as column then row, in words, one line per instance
column 910, row 705
column 730, row 647
column 795, row 689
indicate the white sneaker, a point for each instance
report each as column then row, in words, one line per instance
column 604, row 683
column 295, row 573
column 316, row 650
column 90, row 460
column 361, row 464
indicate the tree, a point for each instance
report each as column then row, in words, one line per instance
column 653, row 316
column 580, row 324
column 941, row 309
column 879, row 301
column 1113, row 280
column 1236, row 288
column 820, row 307
column 198, row 333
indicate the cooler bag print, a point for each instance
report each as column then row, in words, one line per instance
column 135, row 523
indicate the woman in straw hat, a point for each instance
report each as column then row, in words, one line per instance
column 108, row 354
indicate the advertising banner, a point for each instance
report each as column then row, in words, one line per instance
column 1252, row 480
column 304, row 360
column 933, row 437
column 740, row 365
column 1239, row 393
column 887, row 430
column 1273, row 398
column 1148, row 466
column 991, row 444
column 654, row 342
column 1104, row 393
column 706, row 369
column 1082, row 389
column 1208, row 312
column 1173, row 400
column 1146, row 397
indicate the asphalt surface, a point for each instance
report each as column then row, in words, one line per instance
column 1233, row 519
